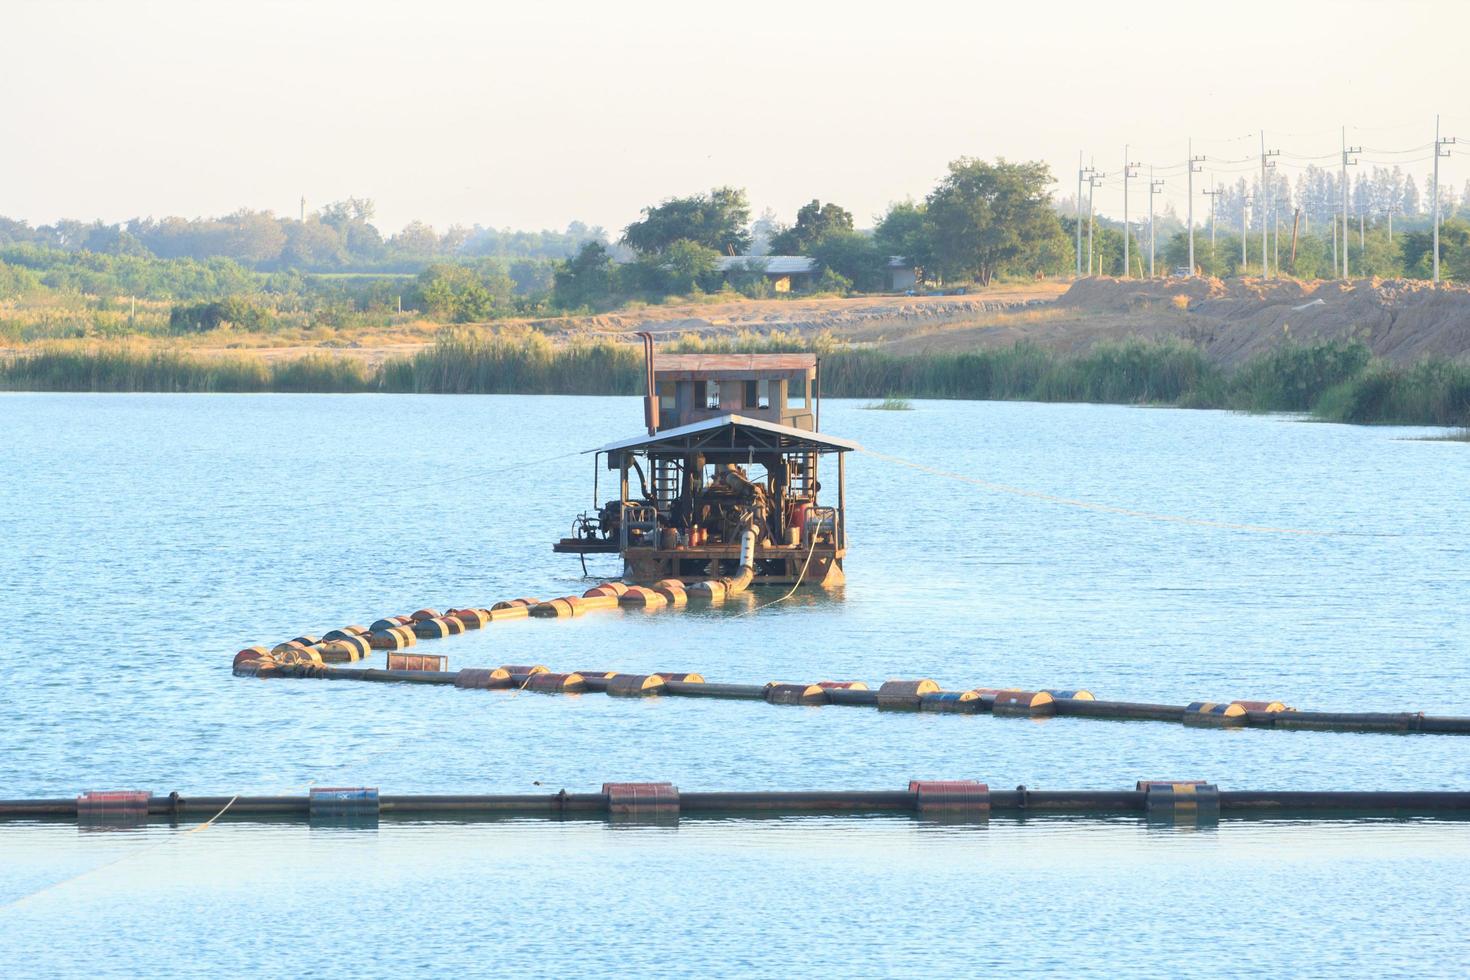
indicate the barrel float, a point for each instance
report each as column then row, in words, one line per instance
column 303, row 655
column 1180, row 801
column 283, row 648
column 635, row 685
column 1070, row 695
column 257, row 668
column 394, row 639
column 795, row 693
column 347, row 804
column 904, row 695
column 596, row 602
column 342, row 652
column 554, row 609
column 455, row 626
column 126, row 806
column 640, row 597
column 431, row 629
column 472, row 619
column 549, row 683
column 341, row 634
column 1024, row 704
column 1269, row 707
column 642, row 801
column 682, row 677
column 482, row 678
column 675, row 596
column 712, row 589
column 1212, row 714
column 403, row 620
column 607, row 588
column 950, row 797
column 524, row 669
column 428, row 662
column 383, row 625
column 252, row 653
column 306, row 640
column 247, row 662
column 952, row 702
column 502, row 612
column 843, row 685
column 669, row 583
column 420, row 615
column 515, row 603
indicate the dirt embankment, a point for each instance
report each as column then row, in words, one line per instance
column 1401, row 321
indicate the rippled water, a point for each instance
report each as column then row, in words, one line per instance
column 149, row 537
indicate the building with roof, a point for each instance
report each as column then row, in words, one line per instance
column 785, row 273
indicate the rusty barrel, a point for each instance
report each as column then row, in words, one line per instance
column 287, row 647
column 635, row 685
column 950, row 797
column 345, row 633
column 383, row 625
column 345, row 651
column 596, row 602
column 712, row 589
column 500, row 612
column 420, row 615
column 515, row 603
column 778, row 693
column 549, row 683
column 642, row 801
column 482, row 678
column 675, row 595
column 430, row 662
column 1022, row 704
column 640, row 597
column 473, row 619
column 524, row 669
column 392, row 639
column 898, row 695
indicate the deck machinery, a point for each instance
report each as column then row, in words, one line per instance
column 731, row 446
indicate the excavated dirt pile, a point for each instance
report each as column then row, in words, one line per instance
column 1400, row 320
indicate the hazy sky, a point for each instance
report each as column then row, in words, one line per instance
column 536, row 114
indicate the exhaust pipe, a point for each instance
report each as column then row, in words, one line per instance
column 650, row 399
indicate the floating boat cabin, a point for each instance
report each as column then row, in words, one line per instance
column 731, row 446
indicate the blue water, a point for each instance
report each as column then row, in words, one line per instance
column 147, row 538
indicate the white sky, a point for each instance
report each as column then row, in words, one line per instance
column 534, row 115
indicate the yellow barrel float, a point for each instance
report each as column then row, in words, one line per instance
column 554, row 609
column 1023, row 704
column 383, row 625
column 951, row 797
column 248, row 660
column 682, row 677
column 673, row 592
column 777, row 693
column 515, row 603
column 546, row 682
column 502, row 611
column 345, row 651
column 420, row 615
column 524, row 669
column 596, row 602
column 904, row 695
column 613, row 589
column 288, row 646
column 640, row 597
column 431, row 629
column 346, row 633
column 395, row 638
column 1186, row 801
column 307, row 641
column 454, row 625
column 1219, row 714
column 712, row 589
column 482, row 678
column 843, row 685
column 634, row 685
column 953, row 702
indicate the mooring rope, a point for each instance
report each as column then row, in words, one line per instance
column 1104, row 508
column 804, row 566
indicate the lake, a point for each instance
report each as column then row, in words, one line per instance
column 149, row 537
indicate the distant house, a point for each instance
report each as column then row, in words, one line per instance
column 797, row 273
column 785, row 273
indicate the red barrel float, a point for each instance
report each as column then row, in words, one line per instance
column 904, row 695
column 950, row 796
column 647, row 801
column 472, row 619
column 776, row 693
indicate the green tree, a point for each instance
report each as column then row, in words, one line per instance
column 463, row 293
column 984, row 216
column 814, row 222
column 854, row 257
column 904, row 231
column 586, row 279
column 716, row 221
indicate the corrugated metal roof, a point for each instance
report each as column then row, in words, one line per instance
column 733, row 362
column 725, row 421
column 772, row 265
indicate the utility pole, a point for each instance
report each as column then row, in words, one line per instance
column 303, row 207
column 1154, row 186
column 1129, row 170
column 1276, row 238
column 1082, row 173
column 1440, row 150
column 1244, row 206
column 1093, row 179
column 1194, row 168
column 1266, row 195
column 1348, row 160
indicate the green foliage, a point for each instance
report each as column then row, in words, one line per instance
column 236, row 311
column 586, row 280
column 815, row 221
column 464, row 293
column 716, row 220
column 983, row 217
column 904, row 231
column 1294, row 377
column 853, row 257
column 17, row 281
column 682, row 267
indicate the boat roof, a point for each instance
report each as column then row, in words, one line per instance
column 733, row 434
column 733, row 364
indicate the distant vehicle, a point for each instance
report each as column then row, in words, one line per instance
column 1182, row 271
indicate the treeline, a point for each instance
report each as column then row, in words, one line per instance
column 338, row 237
column 1332, row 380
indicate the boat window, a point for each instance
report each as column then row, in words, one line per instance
column 763, row 394
column 796, row 393
column 665, row 391
column 712, row 394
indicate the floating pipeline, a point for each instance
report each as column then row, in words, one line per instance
column 921, row 695
column 1187, row 802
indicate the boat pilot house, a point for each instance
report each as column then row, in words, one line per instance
column 729, row 475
